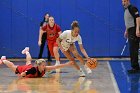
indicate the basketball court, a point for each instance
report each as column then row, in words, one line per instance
column 101, row 27
column 109, row 77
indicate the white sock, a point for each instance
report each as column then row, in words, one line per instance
column 27, row 53
column 80, row 69
column 83, row 66
column 57, row 61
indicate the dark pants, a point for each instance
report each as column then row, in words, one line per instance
column 133, row 47
column 42, row 48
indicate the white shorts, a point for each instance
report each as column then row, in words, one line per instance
column 65, row 46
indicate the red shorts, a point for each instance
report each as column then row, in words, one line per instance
column 51, row 45
column 23, row 68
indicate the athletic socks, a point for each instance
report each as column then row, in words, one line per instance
column 88, row 70
column 57, row 63
column 81, row 73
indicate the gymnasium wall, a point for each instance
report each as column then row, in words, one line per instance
column 101, row 23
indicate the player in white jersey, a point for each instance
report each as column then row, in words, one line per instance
column 66, row 42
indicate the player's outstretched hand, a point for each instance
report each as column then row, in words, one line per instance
column 88, row 59
column 70, row 63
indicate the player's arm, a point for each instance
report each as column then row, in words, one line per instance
column 60, row 38
column 138, row 27
column 138, row 22
column 40, row 36
column 126, row 33
column 81, row 47
column 83, row 51
column 58, row 66
column 41, row 31
column 27, row 72
column 59, row 29
column 136, row 14
column 59, row 32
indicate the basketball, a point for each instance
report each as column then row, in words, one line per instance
column 92, row 63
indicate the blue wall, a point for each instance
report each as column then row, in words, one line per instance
column 101, row 23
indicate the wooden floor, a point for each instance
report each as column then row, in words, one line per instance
column 67, row 81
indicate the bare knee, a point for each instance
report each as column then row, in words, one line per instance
column 72, row 62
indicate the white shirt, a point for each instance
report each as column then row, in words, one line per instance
column 68, row 39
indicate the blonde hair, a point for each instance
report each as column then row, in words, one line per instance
column 74, row 24
column 39, row 61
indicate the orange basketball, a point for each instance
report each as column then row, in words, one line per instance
column 92, row 63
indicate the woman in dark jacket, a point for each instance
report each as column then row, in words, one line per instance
column 43, row 41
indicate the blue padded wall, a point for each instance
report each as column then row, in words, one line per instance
column 101, row 24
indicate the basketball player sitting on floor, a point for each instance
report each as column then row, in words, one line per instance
column 29, row 70
column 66, row 42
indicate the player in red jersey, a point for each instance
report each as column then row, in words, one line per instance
column 29, row 70
column 53, row 31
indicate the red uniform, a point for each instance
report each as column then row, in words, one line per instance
column 52, row 35
column 24, row 68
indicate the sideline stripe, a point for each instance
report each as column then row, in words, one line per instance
column 113, row 79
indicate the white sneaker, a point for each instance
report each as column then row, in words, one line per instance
column 57, row 63
column 88, row 70
column 2, row 58
column 24, row 50
column 81, row 73
column 81, row 80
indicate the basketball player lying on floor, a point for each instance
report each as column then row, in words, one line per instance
column 66, row 42
column 29, row 70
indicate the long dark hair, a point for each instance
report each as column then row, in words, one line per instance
column 44, row 17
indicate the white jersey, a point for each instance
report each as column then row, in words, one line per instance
column 68, row 39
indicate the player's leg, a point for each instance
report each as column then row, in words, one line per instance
column 69, row 56
column 50, row 47
column 9, row 64
column 28, row 56
column 79, row 57
column 76, row 54
column 56, row 53
column 49, row 56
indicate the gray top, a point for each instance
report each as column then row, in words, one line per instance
column 128, row 18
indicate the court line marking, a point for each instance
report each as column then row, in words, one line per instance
column 113, row 79
column 23, row 59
